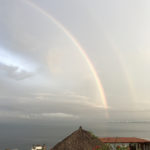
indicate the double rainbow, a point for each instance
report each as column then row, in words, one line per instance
column 79, row 47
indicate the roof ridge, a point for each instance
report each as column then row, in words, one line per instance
column 123, row 140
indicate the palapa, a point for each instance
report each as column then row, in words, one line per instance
column 79, row 140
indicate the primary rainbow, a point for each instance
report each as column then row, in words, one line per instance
column 81, row 50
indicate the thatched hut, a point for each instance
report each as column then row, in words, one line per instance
column 79, row 140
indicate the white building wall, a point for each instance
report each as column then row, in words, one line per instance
column 37, row 148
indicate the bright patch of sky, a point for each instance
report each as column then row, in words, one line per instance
column 13, row 60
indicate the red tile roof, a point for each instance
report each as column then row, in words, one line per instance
column 123, row 140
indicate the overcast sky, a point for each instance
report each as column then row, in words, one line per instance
column 45, row 79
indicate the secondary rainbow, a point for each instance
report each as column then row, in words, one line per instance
column 77, row 44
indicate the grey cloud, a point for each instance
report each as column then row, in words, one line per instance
column 14, row 72
column 53, row 106
column 37, row 116
column 130, row 121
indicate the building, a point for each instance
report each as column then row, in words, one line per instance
column 79, row 140
column 131, row 142
column 38, row 147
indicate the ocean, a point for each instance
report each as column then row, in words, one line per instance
column 23, row 136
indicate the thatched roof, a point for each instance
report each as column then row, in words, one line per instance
column 78, row 140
